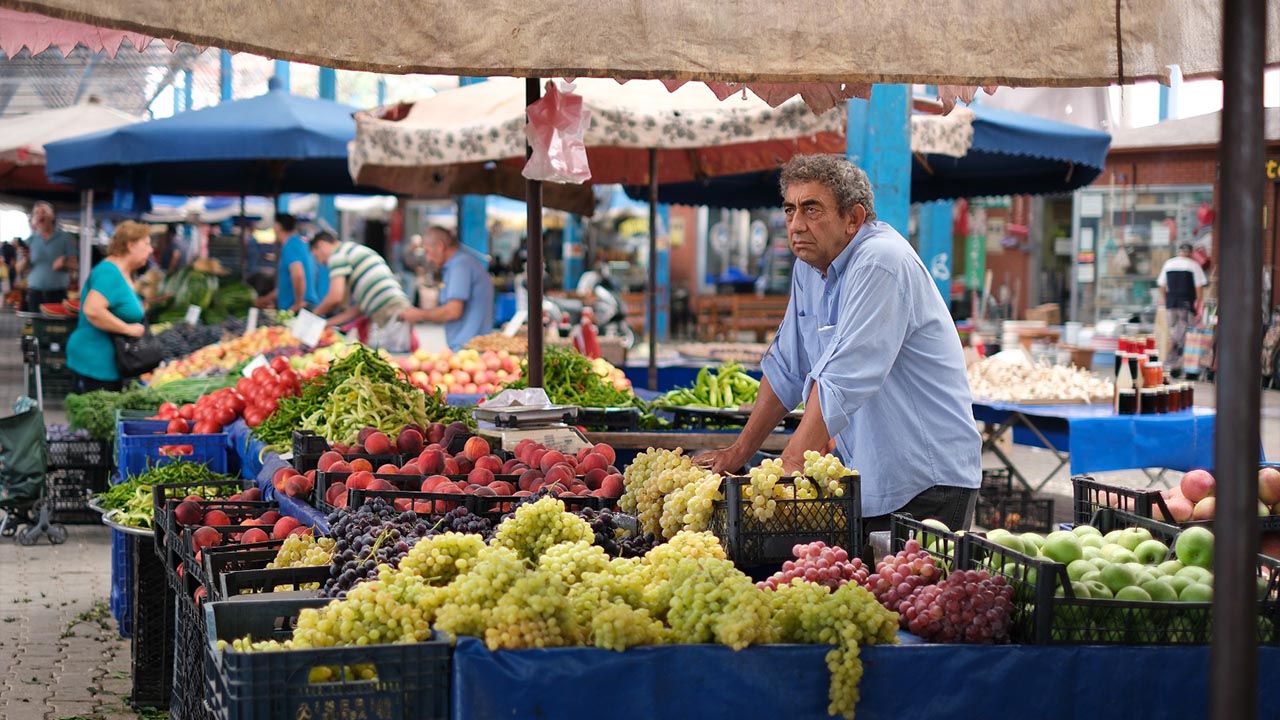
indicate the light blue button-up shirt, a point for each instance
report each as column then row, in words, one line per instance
column 466, row 278
column 876, row 337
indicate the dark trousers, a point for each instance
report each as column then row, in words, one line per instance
column 87, row 384
column 35, row 298
column 953, row 506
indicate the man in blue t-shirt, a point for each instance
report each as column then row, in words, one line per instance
column 466, row 301
column 296, row 283
column 50, row 254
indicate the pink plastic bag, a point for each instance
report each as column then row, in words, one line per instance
column 557, row 123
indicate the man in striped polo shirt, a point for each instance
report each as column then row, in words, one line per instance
column 362, row 279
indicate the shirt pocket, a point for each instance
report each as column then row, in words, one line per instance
column 809, row 337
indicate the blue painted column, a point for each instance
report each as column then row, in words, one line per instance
column 177, row 97
column 282, row 74
column 186, row 90
column 473, row 227
column 663, row 301
column 887, row 153
column 935, row 229
column 382, row 91
column 326, row 212
column 574, row 253
column 225, row 75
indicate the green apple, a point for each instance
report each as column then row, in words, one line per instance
column 1006, row 539
column 1030, row 540
column 1118, row 554
column 1091, row 575
column 1116, row 576
column 1196, row 592
column 1169, row 567
column 1083, row 530
column 1093, row 541
column 1061, row 546
column 1100, row 562
column 1130, row 538
column 1151, row 552
column 928, row 540
column 1098, row 590
column 1177, row 582
column 1013, row 570
column 1195, row 547
column 1077, row 568
column 1133, row 592
column 1196, row 574
column 1080, row 589
column 1159, row 590
column 1089, row 553
column 1144, row 576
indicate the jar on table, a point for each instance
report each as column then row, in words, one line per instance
column 1147, row 398
column 1128, row 402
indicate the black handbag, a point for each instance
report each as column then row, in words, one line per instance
column 137, row 355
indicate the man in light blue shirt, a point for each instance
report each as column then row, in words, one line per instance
column 466, row 300
column 869, row 346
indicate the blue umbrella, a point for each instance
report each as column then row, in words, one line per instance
column 1012, row 154
column 264, row 145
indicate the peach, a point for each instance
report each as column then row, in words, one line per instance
column 593, row 461
column 560, row 473
column 205, row 537
column 359, row 480
column 388, row 469
column 509, row 467
column 380, row 484
column 377, row 443
column 528, row 479
column 283, row 527
column 254, row 535
column 480, row 476
column 1269, row 485
column 188, row 512
column 342, row 466
column 327, row 459
column 270, row 517
column 254, row 494
column 409, row 441
column 501, row 487
column 612, row 486
column 551, row 458
column 361, row 465
column 451, row 467
column 434, row 481
column 609, row 455
column 216, row 518
column 411, row 468
column 492, row 463
column 465, row 465
column 296, row 487
column 593, row 478
column 476, row 447
column 334, row 491
column 431, row 461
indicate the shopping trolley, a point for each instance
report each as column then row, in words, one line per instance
column 26, row 510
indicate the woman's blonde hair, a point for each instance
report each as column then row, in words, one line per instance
column 127, row 233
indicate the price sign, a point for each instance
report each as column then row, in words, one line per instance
column 307, row 327
column 193, row 314
column 252, row 323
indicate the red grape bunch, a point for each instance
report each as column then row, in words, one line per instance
column 897, row 576
column 968, row 607
column 817, row 563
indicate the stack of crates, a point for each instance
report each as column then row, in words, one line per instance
column 77, row 470
column 52, row 334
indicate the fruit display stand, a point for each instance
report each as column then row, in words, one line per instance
column 1092, row 438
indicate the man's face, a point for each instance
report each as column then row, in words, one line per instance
column 434, row 250
column 815, row 229
column 42, row 219
column 322, row 251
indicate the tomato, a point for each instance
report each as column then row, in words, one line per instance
column 177, row 426
column 224, row 416
column 243, row 385
column 268, row 405
column 187, row 412
column 263, row 375
column 280, row 363
column 253, row 417
column 206, row 427
column 167, row 411
column 176, row 450
column 235, row 402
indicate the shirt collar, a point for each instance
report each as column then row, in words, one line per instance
column 841, row 263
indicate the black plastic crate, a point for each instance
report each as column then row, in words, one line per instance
column 690, row 418
column 750, row 542
column 308, row 447
column 326, row 479
column 1015, row 510
column 51, row 333
column 609, row 419
column 268, row 580
column 1089, row 496
column 70, row 490
column 996, row 479
column 151, row 643
column 413, row 679
column 164, row 492
column 187, row 701
column 220, row 560
column 56, row 380
column 193, row 569
column 79, row 454
column 942, row 545
column 1047, row 612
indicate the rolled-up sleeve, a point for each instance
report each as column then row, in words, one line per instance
column 864, row 345
column 783, row 362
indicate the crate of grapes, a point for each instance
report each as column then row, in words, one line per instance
column 756, row 531
column 1051, row 608
column 398, row 681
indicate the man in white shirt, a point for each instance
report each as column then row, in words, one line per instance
column 1182, row 283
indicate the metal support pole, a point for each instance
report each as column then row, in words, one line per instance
column 86, row 236
column 651, row 318
column 1233, row 654
column 533, row 269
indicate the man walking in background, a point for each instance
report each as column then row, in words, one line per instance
column 1181, row 282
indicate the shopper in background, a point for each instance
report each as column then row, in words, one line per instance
column 296, row 284
column 110, row 306
column 466, row 301
column 1181, row 283
column 362, row 283
column 50, row 254
column 868, row 345
column 169, row 255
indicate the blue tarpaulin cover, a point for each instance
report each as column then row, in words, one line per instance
column 1012, row 154
column 272, row 143
column 257, row 463
column 920, row 682
column 1099, row 440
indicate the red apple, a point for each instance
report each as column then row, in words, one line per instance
column 1269, row 485
column 1197, row 485
column 1204, row 509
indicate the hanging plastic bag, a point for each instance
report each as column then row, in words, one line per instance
column 557, row 124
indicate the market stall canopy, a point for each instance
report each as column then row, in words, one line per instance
column 478, row 130
column 36, row 33
column 23, row 137
column 273, row 143
column 1201, row 131
column 1010, row 154
column 824, row 51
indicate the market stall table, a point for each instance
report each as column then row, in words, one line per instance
column 1093, row 438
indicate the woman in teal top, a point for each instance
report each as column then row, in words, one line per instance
column 110, row 306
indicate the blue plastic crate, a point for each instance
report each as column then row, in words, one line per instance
column 122, row 581
column 139, row 443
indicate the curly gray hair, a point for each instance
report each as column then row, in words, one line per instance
column 844, row 179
